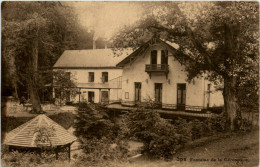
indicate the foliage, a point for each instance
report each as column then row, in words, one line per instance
column 198, row 129
column 162, row 138
column 26, row 159
column 98, row 133
column 184, row 128
column 150, row 103
column 216, row 39
column 100, row 152
column 43, row 135
column 159, row 136
column 10, row 123
column 65, row 119
column 246, row 125
column 64, row 83
column 34, row 35
column 217, row 124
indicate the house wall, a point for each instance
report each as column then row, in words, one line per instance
column 135, row 72
column 80, row 76
column 215, row 96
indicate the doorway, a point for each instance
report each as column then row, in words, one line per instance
column 181, row 96
column 91, row 96
column 104, row 96
column 138, row 87
column 158, row 92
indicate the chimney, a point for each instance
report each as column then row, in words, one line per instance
column 105, row 44
column 94, row 44
column 94, row 41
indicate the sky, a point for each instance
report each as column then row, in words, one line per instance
column 106, row 18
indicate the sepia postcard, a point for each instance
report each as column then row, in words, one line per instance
column 130, row 83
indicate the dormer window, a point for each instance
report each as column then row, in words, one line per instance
column 164, row 57
column 154, row 57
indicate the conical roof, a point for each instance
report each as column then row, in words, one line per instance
column 39, row 131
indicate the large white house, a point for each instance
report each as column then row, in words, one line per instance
column 154, row 72
column 95, row 73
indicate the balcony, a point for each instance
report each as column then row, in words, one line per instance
column 149, row 68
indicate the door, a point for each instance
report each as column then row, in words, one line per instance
column 138, row 87
column 181, row 96
column 104, row 96
column 91, row 96
column 158, row 92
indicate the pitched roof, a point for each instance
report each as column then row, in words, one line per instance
column 173, row 47
column 26, row 134
column 94, row 58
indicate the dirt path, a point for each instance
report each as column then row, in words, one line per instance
column 237, row 150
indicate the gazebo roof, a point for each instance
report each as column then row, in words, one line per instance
column 27, row 134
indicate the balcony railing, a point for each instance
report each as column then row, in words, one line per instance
column 156, row 68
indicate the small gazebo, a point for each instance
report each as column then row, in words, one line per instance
column 38, row 134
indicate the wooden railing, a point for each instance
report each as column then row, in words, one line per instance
column 156, row 68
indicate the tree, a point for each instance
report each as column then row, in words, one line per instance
column 34, row 34
column 219, row 39
column 64, row 85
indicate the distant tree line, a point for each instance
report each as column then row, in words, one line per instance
column 34, row 35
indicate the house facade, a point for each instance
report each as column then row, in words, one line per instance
column 154, row 72
column 94, row 71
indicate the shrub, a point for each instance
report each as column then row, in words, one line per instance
column 10, row 123
column 217, row 124
column 25, row 159
column 93, row 122
column 198, row 129
column 159, row 136
column 98, row 151
column 162, row 138
column 184, row 128
column 246, row 125
column 65, row 119
column 98, row 133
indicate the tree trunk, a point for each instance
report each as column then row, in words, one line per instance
column 15, row 90
column 34, row 96
column 232, row 109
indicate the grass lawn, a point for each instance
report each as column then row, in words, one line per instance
column 235, row 150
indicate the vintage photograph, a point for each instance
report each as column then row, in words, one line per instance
column 129, row 83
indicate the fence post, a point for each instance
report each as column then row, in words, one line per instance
column 56, row 153
column 69, row 151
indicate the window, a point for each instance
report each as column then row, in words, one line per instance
column 154, row 57
column 104, row 77
column 209, row 86
column 138, row 86
column 91, row 77
column 126, row 95
column 164, row 57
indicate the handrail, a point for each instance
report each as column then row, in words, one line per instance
column 157, row 67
